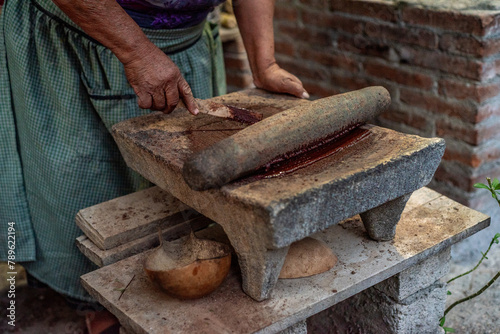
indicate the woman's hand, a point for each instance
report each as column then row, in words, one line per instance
column 276, row 79
column 255, row 21
column 158, row 82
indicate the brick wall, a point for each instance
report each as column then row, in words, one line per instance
column 440, row 66
column 238, row 74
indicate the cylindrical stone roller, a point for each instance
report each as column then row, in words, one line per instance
column 282, row 133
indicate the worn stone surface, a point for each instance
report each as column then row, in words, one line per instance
column 112, row 255
column 371, row 311
column 263, row 215
column 131, row 217
column 285, row 132
column 425, row 229
column 417, row 277
column 380, row 222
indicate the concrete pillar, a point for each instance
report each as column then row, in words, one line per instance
column 412, row 301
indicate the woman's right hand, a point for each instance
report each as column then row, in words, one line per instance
column 158, row 82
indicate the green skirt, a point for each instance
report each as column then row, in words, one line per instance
column 60, row 93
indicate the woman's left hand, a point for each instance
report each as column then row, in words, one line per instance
column 276, row 79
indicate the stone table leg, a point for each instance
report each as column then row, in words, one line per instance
column 412, row 301
column 380, row 222
column 260, row 270
column 260, row 267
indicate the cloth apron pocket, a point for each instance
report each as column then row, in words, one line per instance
column 106, row 107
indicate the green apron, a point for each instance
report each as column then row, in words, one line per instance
column 60, row 93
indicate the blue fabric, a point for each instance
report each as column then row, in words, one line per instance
column 168, row 14
column 60, row 93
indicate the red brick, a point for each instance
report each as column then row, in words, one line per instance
column 319, row 89
column 462, row 178
column 468, row 157
column 349, row 82
column 320, row 4
column 328, row 20
column 304, row 70
column 399, row 75
column 239, row 79
column 235, row 46
column 491, row 109
column 466, row 132
column 361, row 45
column 461, row 66
column 448, row 20
column 461, row 90
column 286, row 48
column 414, row 36
column 469, row 45
column 402, row 116
column 329, row 59
column 459, row 110
column 315, row 37
column 287, row 13
column 382, row 11
column 490, row 22
column 239, row 62
column 457, row 178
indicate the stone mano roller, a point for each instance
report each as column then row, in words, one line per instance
column 282, row 133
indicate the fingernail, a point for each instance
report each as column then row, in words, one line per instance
column 196, row 111
column 305, row 95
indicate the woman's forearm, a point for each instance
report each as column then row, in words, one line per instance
column 108, row 23
column 255, row 21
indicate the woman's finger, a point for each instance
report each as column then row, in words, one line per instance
column 187, row 96
column 172, row 95
column 144, row 100
column 293, row 87
column 159, row 101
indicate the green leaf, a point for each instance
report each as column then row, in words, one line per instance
column 481, row 185
column 448, row 293
column 496, row 238
column 448, row 330
column 495, row 184
column 484, row 255
column 441, row 321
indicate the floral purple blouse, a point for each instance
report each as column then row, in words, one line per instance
column 168, row 14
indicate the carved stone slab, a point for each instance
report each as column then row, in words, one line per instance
column 262, row 217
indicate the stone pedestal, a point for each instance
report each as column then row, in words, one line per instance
column 412, row 301
column 377, row 287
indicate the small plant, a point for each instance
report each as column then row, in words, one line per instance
column 494, row 188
